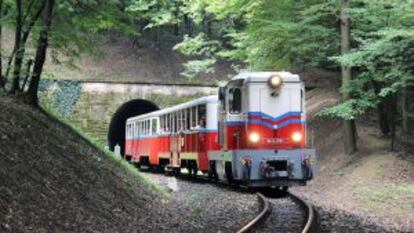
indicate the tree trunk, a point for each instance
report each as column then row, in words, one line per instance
column 2, row 82
column 40, row 53
column 393, row 120
column 17, row 45
column 404, row 115
column 349, row 125
column 27, row 75
column 20, row 53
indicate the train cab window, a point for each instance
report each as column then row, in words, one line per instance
column 235, row 100
column 202, row 116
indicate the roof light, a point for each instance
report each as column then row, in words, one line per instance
column 275, row 81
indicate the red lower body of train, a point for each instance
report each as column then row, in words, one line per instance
column 176, row 151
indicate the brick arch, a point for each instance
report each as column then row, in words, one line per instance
column 116, row 132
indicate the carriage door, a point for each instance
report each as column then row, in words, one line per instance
column 222, row 115
column 175, row 142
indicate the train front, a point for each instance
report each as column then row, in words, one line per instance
column 262, row 131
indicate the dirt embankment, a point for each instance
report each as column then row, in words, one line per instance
column 370, row 191
column 51, row 180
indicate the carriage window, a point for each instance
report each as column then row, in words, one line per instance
column 202, row 116
column 130, row 130
column 174, row 122
column 162, row 124
column 179, row 121
column 154, row 126
column 194, row 116
column 184, row 119
column 168, row 123
column 139, row 128
column 135, row 130
column 188, row 119
column 235, row 100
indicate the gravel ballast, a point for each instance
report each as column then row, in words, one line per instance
column 206, row 207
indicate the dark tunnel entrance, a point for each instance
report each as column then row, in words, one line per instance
column 116, row 133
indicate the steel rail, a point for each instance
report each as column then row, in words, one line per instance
column 254, row 222
column 311, row 221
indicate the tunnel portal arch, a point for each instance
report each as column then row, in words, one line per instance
column 116, row 132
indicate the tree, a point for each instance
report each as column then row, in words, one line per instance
column 75, row 30
column 348, row 124
column 40, row 53
column 17, row 45
column 24, row 27
column 2, row 82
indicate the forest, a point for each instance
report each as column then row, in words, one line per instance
column 368, row 43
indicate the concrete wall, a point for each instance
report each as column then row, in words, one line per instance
column 97, row 102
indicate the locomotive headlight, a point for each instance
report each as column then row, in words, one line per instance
column 254, row 137
column 275, row 81
column 297, row 137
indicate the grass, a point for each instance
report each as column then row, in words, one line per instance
column 196, row 210
column 394, row 198
column 111, row 155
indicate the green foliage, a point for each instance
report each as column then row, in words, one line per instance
column 383, row 56
column 157, row 13
column 195, row 67
column 77, row 25
column 61, row 96
column 198, row 46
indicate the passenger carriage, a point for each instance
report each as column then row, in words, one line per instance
column 253, row 133
column 175, row 137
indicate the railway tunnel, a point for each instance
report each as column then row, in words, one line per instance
column 116, row 132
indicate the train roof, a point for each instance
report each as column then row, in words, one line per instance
column 189, row 104
column 248, row 76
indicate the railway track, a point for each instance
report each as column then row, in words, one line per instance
column 287, row 214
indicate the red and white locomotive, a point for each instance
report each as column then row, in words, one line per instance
column 253, row 133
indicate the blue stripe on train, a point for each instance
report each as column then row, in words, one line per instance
column 273, row 119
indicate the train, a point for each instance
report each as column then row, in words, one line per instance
column 252, row 133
